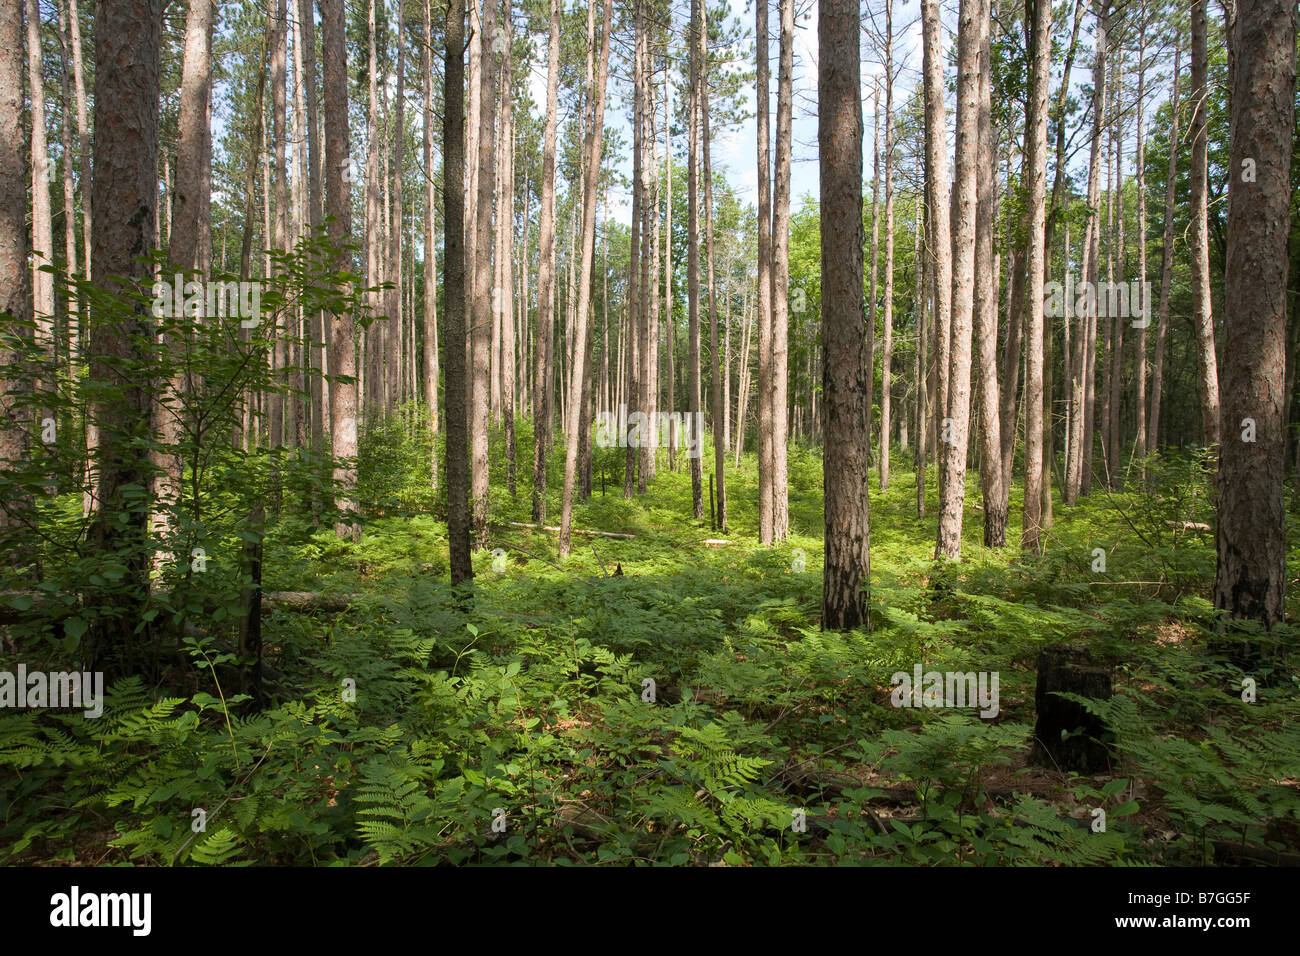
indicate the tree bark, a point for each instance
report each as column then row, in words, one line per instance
column 1040, row 33
column 1166, row 258
column 338, row 207
column 973, row 27
column 454, row 190
column 481, row 311
column 124, row 197
column 546, row 276
column 592, row 146
column 1250, row 578
column 986, row 317
column 17, row 519
column 1202, row 310
column 781, row 277
column 887, row 349
column 764, row 275
column 847, row 561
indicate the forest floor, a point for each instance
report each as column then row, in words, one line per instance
column 689, row 710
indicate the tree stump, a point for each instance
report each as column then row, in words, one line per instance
column 1085, row 746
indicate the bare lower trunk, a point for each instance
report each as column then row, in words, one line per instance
column 847, row 562
column 1250, row 579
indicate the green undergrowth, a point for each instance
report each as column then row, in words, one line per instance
column 523, row 730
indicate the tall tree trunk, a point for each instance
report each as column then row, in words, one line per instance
column 505, row 248
column 693, row 269
column 592, row 146
column 281, row 408
column 482, row 305
column 973, row 27
column 1039, row 29
column 16, row 517
column 1250, row 578
column 454, row 190
column 636, row 250
column 937, row 202
column 124, row 198
column 1166, row 258
column 717, row 414
column 781, row 277
column 764, row 274
column 986, row 316
column 921, row 391
column 191, row 218
column 1140, row 403
column 430, row 338
column 73, row 313
column 338, row 208
column 319, row 390
column 1202, row 310
column 847, row 563
column 83, row 130
column 872, row 297
column 887, row 349
column 394, row 321
column 1079, row 450
column 42, row 249
column 542, row 373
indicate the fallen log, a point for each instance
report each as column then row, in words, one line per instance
column 301, row 602
column 602, row 534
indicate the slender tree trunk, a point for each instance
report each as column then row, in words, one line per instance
column 872, row 297
column 937, row 201
column 1039, row 27
column 17, row 518
column 717, row 414
column 887, row 351
column 482, row 304
column 430, row 339
column 505, row 249
column 454, row 191
column 973, row 27
column 636, row 254
column 693, row 268
column 338, row 207
column 986, row 316
column 781, row 277
column 395, row 321
column 83, row 130
column 319, row 390
column 191, row 218
column 1166, row 257
column 592, row 146
column 546, row 276
column 1202, row 310
column 921, row 392
column 764, row 275
column 1140, row 404
column 42, row 248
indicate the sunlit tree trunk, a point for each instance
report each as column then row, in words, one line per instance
column 595, row 135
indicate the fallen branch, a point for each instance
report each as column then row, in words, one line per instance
column 602, row 534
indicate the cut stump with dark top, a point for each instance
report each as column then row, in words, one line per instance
column 1067, row 736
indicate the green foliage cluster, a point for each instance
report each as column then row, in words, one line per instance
column 520, row 731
